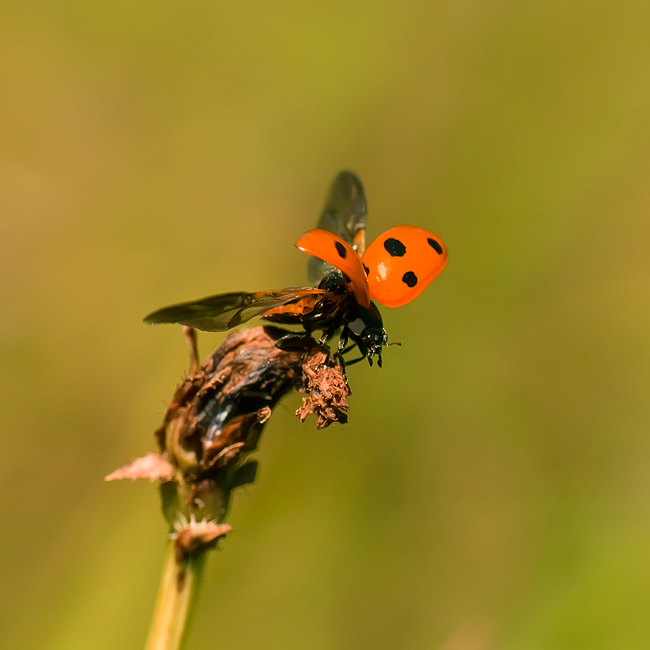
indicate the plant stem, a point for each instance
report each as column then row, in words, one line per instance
column 175, row 602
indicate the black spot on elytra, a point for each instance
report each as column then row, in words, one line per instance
column 366, row 269
column 410, row 279
column 394, row 247
column 340, row 249
column 435, row 245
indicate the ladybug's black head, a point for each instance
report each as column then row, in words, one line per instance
column 368, row 332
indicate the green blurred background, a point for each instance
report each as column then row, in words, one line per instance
column 491, row 490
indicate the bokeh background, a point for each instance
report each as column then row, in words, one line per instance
column 491, row 490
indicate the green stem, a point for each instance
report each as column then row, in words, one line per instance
column 175, row 602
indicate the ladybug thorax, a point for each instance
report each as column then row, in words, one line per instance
column 368, row 328
column 357, row 326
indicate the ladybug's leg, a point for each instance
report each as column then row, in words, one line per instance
column 349, row 348
column 294, row 342
column 342, row 349
column 343, row 340
column 298, row 342
column 327, row 335
column 338, row 357
column 342, row 364
column 351, row 363
column 190, row 338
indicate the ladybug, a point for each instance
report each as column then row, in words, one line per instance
column 394, row 269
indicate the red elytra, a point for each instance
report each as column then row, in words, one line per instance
column 400, row 263
column 331, row 248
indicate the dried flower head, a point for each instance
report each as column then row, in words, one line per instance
column 218, row 413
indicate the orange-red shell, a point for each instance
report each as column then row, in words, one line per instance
column 330, row 248
column 402, row 262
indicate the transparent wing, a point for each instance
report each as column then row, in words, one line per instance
column 226, row 310
column 344, row 215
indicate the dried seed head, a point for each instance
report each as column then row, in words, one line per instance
column 327, row 390
column 217, row 415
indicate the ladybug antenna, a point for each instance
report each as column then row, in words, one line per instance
column 394, row 343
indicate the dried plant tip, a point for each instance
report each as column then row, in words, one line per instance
column 327, row 390
column 152, row 466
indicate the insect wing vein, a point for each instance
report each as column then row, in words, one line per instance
column 224, row 311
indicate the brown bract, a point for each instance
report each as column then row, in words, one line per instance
column 152, row 466
column 192, row 535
